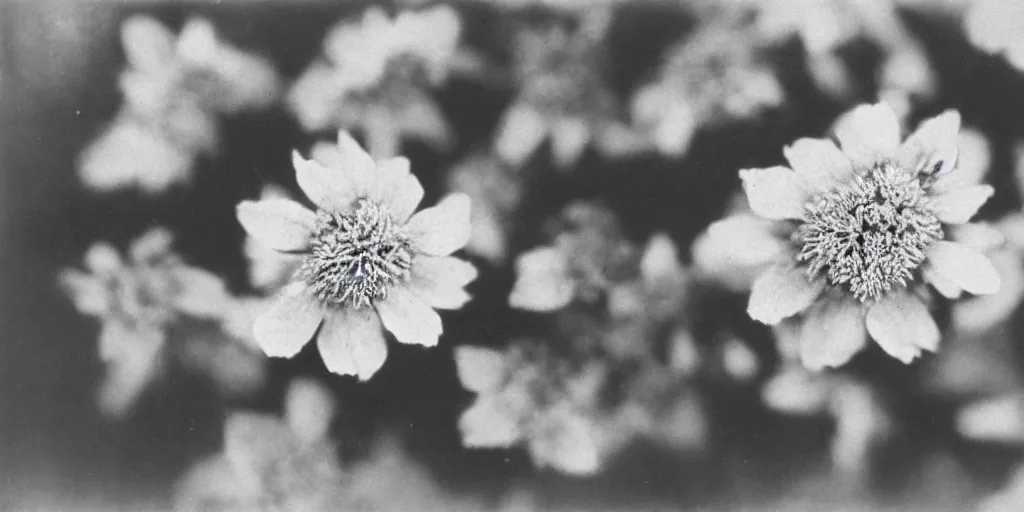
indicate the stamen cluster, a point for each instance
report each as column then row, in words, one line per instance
column 871, row 235
column 356, row 256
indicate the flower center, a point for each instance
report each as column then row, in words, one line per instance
column 871, row 235
column 356, row 256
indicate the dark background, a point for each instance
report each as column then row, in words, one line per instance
column 58, row 67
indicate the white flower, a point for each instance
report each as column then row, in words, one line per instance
column 856, row 232
column 711, row 77
column 269, row 463
column 520, row 399
column 584, row 262
column 824, row 26
column 173, row 89
column 136, row 302
column 564, row 98
column 195, row 69
column 133, row 152
column 367, row 260
column 375, row 74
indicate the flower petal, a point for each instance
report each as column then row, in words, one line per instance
column 868, row 133
column 103, row 259
column 999, row 419
column 774, row 193
column 832, row 333
column 480, row 370
column 781, row 291
column 423, row 119
column 966, row 267
column 567, row 443
column 381, row 131
column 660, row 260
column 309, row 408
column 980, row 313
column 281, row 224
column 439, row 281
column 542, row 281
column 290, row 323
column 945, row 287
column 327, row 186
column 734, row 249
column 521, row 131
column 901, row 324
column 409, row 318
column 982, row 237
column 819, row 163
column 255, row 443
column 569, row 138
column 148, row 45
column 959, row 205
column 315, row 96
column 401, row 191
column 352, row 342
column 932, row 148
column 444, row 228
column 355, row 162
column 154, row 244
column 203, row 294
column 972, row 164
column 132, row 359
column 490, row 423
column 89, row 294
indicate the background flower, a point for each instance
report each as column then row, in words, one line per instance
column 137, row 302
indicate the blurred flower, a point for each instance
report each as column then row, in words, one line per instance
column 825, row 26
column 132, row 152
column 565, row 5
column 375, row 74
column 366, row 260
column 711, row 77
column 496, row 191
column 588, row 256
column 997, row 27
column 643, row 303
column 137, row 301
column 269, row 463
column 861, row 420
column 525, row 396
column 857, row 232
column 198, row 69
column 173, row 89
column 563, row 96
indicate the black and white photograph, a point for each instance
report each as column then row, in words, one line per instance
column 511, row 255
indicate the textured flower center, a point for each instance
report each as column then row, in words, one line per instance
column 356, row 256
column 869, row 236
